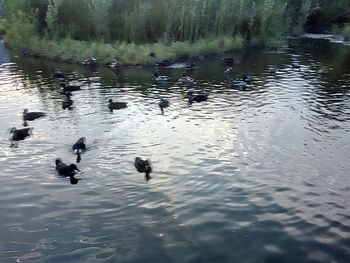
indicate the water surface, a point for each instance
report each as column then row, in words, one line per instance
column 260, row 175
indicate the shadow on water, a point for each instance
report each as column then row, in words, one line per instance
column 259, row 175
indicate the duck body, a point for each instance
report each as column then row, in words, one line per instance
column 92, row 61
column 20, row 134
column 58, row 74
column 186, row 79
column 116, row 105
column 242, row 83
column 323, row 71
column 67, row 103
column 79, row 146
column 163, row 103
column 64, row 169
column 30, row 116
column 196, row 97
column 161, row 78
column 69, row 87
column 143, row 166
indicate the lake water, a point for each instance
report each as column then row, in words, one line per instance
column 260, row 175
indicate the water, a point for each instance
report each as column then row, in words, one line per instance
column 249, row 176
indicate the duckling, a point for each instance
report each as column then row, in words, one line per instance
column 161, row 78
column 67, row 170
column 19, row 135
column 30, row 116
column 143, row 166
column 68, row 87
column 196, row 97
column 79, row 147
column 116, row 105
column 58, row 74
column 323, row 71
column 163, row 103
column 186, row 79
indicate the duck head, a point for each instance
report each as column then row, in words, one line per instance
column 155, row 74
column 110, row 101
column 58, row 161
column 25, row 111
column 13, row 130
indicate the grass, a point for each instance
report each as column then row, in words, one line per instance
column 128, row 53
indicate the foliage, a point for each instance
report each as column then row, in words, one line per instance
column 157, row 22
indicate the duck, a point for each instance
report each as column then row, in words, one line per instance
column 163, row 103
column 31, row 116
column 323, row 70
column 92, row 61
column 19, row 135
column 186, row 79
column 143, row 166
column 79, row 147
column 161, row 78
column 68, row 87
column 242, row 83
column 58, row 74
column 196, row 97
column 67, row 170
column 67, row 102
column 228, row 70
column 116, row 105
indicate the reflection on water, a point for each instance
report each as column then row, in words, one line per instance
column 259, row 175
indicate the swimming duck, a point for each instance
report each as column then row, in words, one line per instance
column 67, row 170
column 186, row 79
column 160, row 78
column 116, row 105
column 67, row 102
column 242, row 83
column 143, row 166
column 196, row 97
column 92, row 61
column 323, row 71
column 228, row 70
column 163, row 103
column 58, row 74
column 79, row 147
column 68, row 87
column 30, row 116
column 19, row 135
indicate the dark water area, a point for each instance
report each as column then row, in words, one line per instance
column 260, row 175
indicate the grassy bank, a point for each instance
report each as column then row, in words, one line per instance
column 131, row 30
column 127, row 53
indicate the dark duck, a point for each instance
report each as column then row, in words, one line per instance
column 163, row 103
column 196, row 97
column 67, row 103
column 116, row 105
column 143, row 166
column 31, row 116
column 68, row 87
column 79, row 147
column 241, row 84
column 67, row 170
column 58, row 74
column 161, row 78
column 19, row 135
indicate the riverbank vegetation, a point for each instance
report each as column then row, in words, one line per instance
column 131, row 30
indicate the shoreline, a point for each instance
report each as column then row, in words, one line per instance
column 171, row 55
